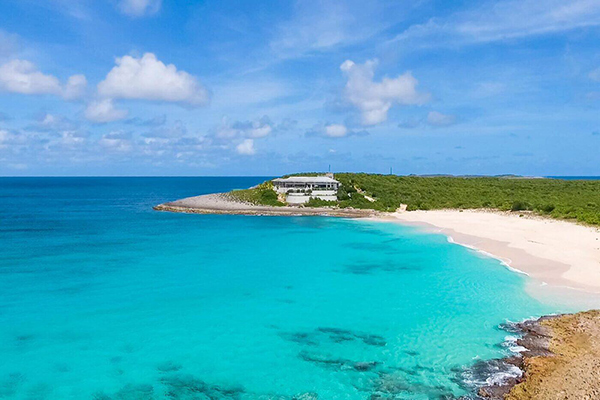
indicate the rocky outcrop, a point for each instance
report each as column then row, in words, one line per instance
column 561, row 360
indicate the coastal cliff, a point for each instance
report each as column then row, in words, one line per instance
column 562, row 360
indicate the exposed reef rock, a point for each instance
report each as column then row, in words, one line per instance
column 560, row 360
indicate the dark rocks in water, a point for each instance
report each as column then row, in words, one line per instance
column 335, row 331
column 365, row 366
column 366, row 268
column 407, row 371
column 373, row 340
column 306, row 396
column 341, row 338
column 494, row 378
column 338, row 363
column 299, row 396
column 135, row 392
column 510, row 327
column 176, row 387
column 388, row 384
column 307, row 339
column 100, row 396
column 336, row 335
column 323, row 361
column 535, row 338
column 396, row 386
column 168, row 366
column 10, row 385
column 341, row 335
column 186, row 386
column 24, row 338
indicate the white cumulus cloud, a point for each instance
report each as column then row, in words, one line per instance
column 22, row 76
column 102, row 111
column 116, row 141
column 336, row 130
column 75, row 87
column 374, row 99
column 148, row 78
column 333, row 131
column 139, row 8
column 246, row 147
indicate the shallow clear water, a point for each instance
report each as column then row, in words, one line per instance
column 102, row 297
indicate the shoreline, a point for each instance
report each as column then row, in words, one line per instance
column 558, row 256
column 559, row 356
column 561, row 258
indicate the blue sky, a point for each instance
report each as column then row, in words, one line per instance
column 151, row 87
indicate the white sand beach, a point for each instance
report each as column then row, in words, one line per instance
column 558, row 255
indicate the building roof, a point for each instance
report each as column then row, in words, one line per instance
column 306, row 179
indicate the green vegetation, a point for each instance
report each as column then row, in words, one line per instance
column 574, row 200
column 262, row 194
column 316, row 202
column 578, row 200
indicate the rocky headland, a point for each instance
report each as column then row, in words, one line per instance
column 560, row 360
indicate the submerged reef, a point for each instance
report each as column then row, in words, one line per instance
column 366, row 267
column 333, row 335
column 373, row 377
column 340, row 335
column 554, row 357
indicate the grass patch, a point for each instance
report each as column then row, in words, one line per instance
column 262, row 194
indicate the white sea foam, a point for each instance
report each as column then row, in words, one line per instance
column 501, row 377
column 504, row 261
column 510, row 342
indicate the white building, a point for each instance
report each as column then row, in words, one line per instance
column 299, row 189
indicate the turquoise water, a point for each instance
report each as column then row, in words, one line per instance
column 103, row 298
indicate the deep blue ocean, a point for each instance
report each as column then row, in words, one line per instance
column 103, row 298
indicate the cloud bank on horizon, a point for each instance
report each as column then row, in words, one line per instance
column 157, row 87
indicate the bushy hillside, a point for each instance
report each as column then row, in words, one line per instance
column 578, row 200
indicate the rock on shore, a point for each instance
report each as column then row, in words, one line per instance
column 561, row 360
